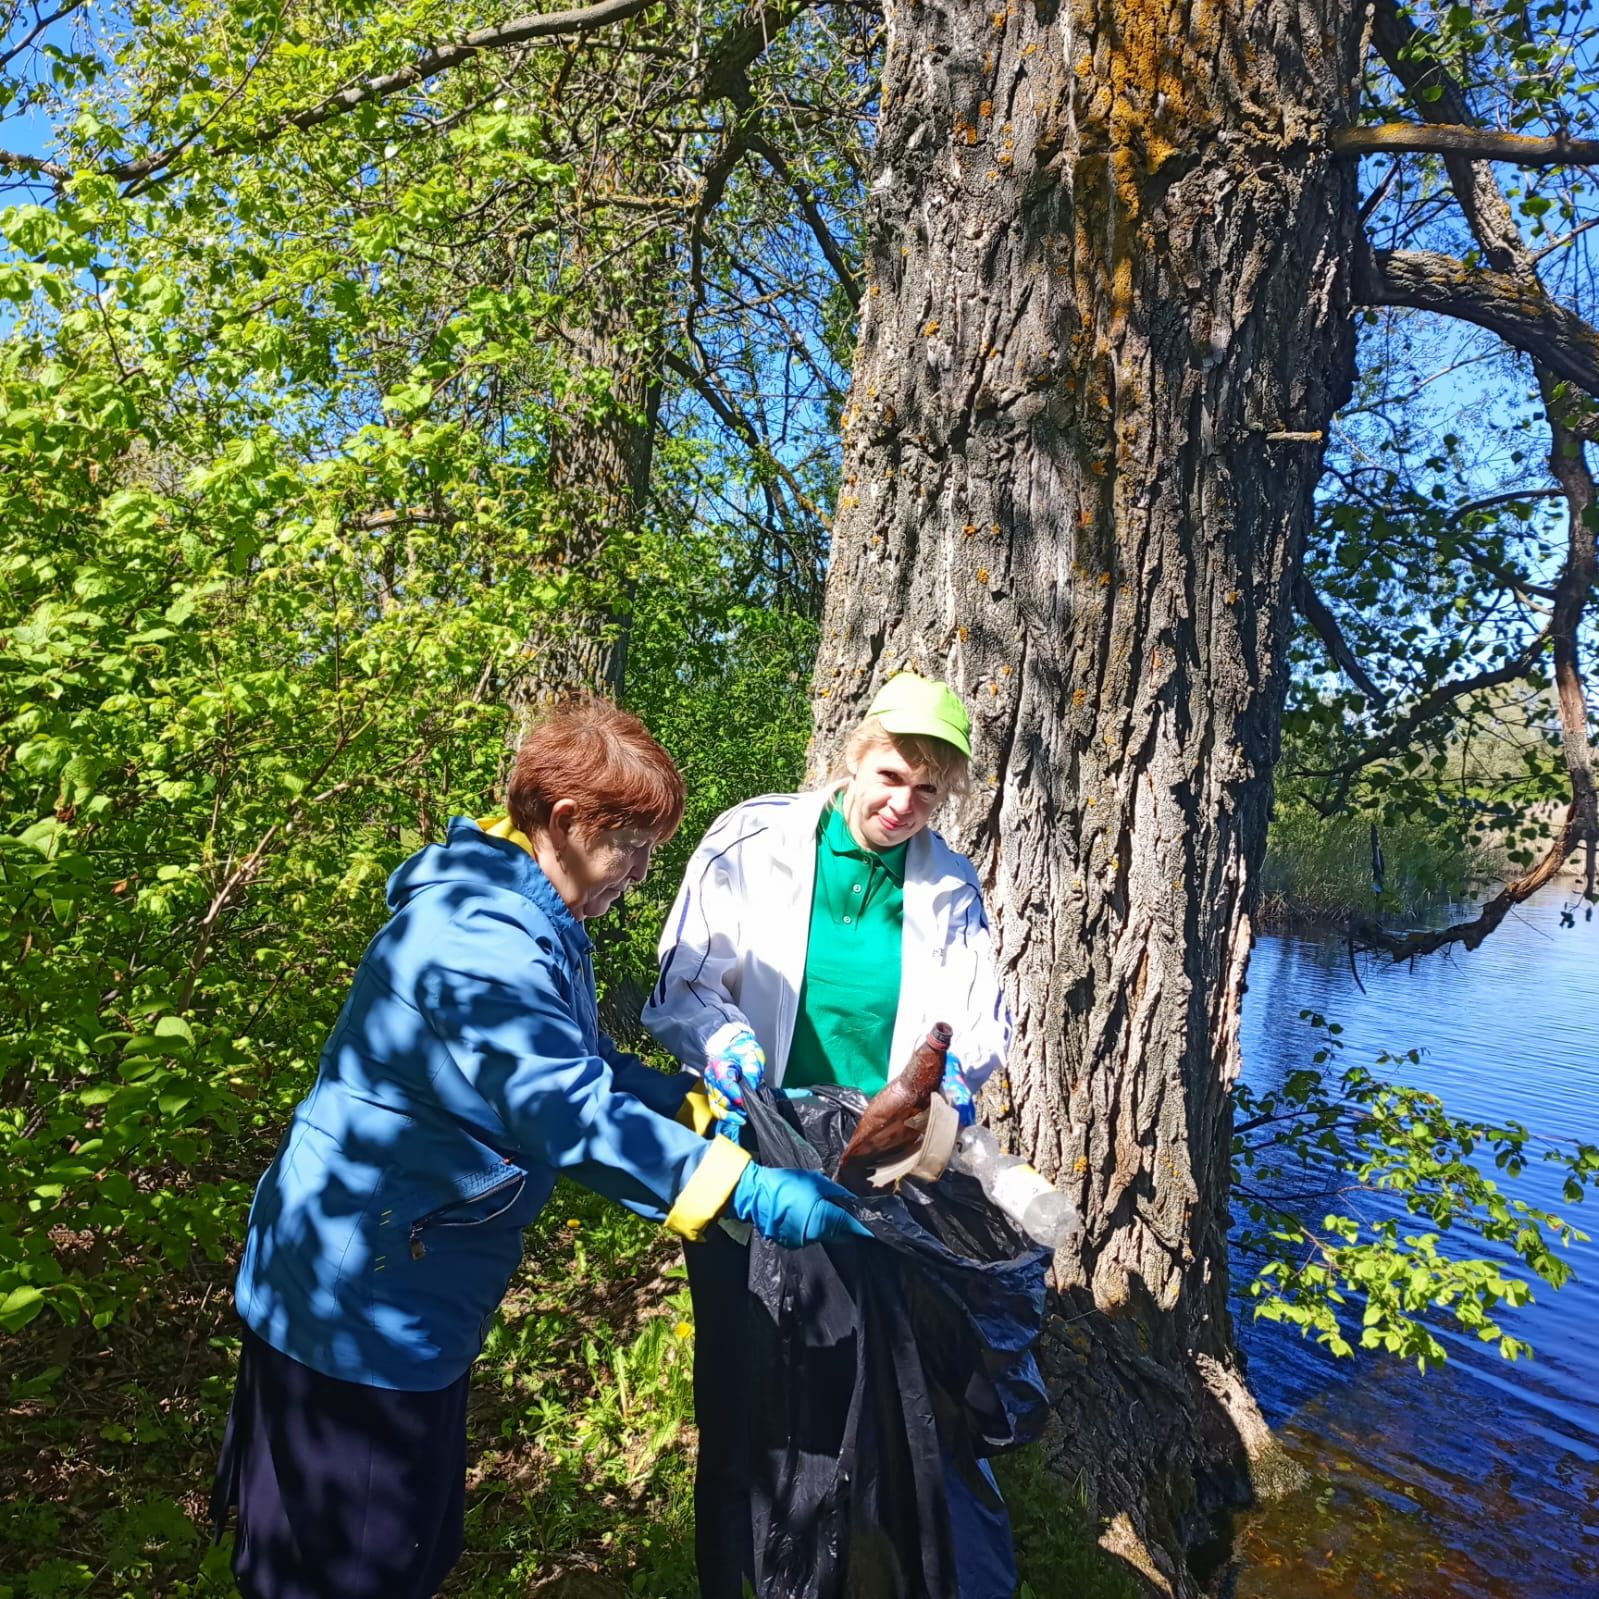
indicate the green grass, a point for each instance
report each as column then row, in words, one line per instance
column 581, row 1430
column 1318, row 868
column 1057, row 1553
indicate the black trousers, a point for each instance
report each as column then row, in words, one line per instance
column 343, row 1491
column 718, row 1275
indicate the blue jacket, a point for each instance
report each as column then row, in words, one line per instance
column 467, row 1069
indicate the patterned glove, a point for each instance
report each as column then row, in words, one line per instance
column 734, row 1061
column 957, row 1091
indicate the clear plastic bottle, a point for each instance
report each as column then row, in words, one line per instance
column 1045, row 1214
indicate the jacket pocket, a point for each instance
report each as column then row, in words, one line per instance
column 462, row 1212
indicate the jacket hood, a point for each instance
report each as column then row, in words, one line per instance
column 477, row 859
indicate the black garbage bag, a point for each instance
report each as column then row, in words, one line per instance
column 861, row 1373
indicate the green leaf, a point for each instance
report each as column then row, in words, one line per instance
column 19, row 1306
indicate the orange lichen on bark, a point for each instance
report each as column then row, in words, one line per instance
column 1152, row 100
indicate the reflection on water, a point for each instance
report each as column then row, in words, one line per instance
column 1479, row 1481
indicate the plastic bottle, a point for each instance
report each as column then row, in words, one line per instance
column 882, row 1132
column 1045, row 1214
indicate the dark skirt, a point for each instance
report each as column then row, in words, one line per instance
column 343, row 1491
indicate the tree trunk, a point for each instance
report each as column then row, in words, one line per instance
column 1105, row 331
column 601, row 443
column 600, row 480
column 600, row 454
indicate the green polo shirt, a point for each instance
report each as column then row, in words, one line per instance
column 850, row 993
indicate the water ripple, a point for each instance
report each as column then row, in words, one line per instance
column 1480, row 1481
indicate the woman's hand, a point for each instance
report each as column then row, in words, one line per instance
column 794, row 1208
column 957, row 1090
column 734, row 1061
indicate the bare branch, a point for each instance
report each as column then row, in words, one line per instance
column 736, row 422
column 1314, row 610
column 39, row 26
column 1565, row 239
column 1367, row 934
column 818, row 223
column 1514, row 307
column 713, row 184
column 1379, row 194
column 1481, row 144
column 1490, row 502
column 33, row 166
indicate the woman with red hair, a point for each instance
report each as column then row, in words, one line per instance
column 466, row 1072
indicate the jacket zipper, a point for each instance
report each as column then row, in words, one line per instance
column 419, row 1249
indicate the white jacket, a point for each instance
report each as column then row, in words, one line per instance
column 733, row 950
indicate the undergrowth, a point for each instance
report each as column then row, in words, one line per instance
column 581, row 1438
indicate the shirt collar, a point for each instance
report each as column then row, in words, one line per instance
column 837, row 838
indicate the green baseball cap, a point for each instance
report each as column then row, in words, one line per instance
column 907, row 703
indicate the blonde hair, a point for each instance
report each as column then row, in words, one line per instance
column 936, row 757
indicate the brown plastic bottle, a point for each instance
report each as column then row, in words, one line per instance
column 882, row 1132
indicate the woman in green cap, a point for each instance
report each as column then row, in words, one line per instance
column 815, row 939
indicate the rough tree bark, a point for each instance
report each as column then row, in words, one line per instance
column 1104, row 334
column 599, row 480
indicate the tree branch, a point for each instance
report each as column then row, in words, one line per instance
column 39, row 26
column 1565, row 239
column 1432, row 704
column 737, row 50
column 1516, row 308
column 33, row 166
column 432, row 61
column 842, row 270
column 1490, row 502
column 1570, row 467
column 1480, row 144
column 1314, row 610
column 1439, row 100
column 741, row 425
column 1367, row 934
column 713, row 184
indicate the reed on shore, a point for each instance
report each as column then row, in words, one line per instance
column 1319, row 869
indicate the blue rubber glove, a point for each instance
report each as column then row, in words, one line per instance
column 734, row 1061
column 958, row 1091
column 793, row 1208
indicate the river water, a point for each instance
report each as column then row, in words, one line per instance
column 1479, row 1480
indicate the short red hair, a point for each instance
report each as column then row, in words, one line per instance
column 602, row 759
